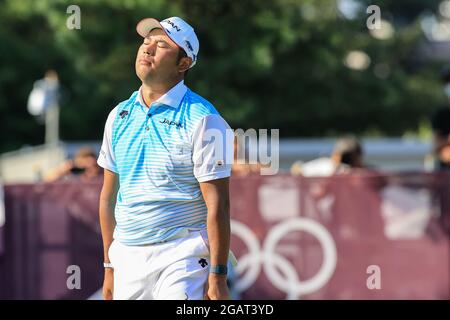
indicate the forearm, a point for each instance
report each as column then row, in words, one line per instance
column 107, row 224
column 216, row 195
column 61, row 171
column 218, row 226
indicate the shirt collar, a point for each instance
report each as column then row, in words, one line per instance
column 171, row 98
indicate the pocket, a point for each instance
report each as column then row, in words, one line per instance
column 181, row 153
column 204, row 241
column 110, row 251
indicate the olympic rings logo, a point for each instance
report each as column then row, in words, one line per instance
column 271, row 261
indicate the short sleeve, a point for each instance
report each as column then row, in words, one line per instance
column 106, row 157
column 213, row 149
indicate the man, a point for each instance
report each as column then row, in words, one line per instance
column 83, row 167
column 441, row 126
column 347, row 155
column 166, row 154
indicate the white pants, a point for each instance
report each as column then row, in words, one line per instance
column 173, row 270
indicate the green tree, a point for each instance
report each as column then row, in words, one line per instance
column 263, row 64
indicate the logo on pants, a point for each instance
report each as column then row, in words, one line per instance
column 203, row 262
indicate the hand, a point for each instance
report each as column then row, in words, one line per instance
column 108, row 284
column 66, row 166
column 216, row 287
column 61, row 171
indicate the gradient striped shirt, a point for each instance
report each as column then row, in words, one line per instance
column 160, row 154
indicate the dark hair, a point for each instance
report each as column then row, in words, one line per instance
column 182, row 54
column 349, row 148
column 441, row 122
column 85, row 152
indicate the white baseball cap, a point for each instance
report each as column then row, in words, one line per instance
column 176, row 29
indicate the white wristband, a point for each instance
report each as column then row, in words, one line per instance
column 108, row 265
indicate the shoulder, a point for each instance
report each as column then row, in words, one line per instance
column 124, row 105
column 198, row 109
column 112, row 114
column 196, row 105
column 440, row 117
column 128, row 103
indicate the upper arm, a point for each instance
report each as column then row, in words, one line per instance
column 216, row 194
column 110, row 186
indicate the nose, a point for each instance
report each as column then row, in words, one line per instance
column 150, row 48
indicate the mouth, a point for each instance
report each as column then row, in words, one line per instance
column 144, row 62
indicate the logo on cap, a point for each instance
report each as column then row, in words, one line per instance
column 173, row 25
column 188, row 44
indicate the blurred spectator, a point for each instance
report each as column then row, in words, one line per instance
column 45, row 94
column 347, row 155
column 441, row 127
column 83, row 166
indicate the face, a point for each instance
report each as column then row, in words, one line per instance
column 156, row 60
column 85, row 162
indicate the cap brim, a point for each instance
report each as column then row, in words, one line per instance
column 146, row 25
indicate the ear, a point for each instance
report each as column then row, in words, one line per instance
column 184, row 64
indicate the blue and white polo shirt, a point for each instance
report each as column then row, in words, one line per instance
column 160, row 154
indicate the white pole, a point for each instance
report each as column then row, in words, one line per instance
column 52, row 125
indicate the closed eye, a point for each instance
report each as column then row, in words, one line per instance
column 162, row 44
column 159, row 43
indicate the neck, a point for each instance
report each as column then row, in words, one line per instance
column 152, row 92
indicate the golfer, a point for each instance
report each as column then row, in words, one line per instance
column 167, row 155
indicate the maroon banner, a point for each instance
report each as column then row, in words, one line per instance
column 50, row 228
column 359, row 236
column 362, row 236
